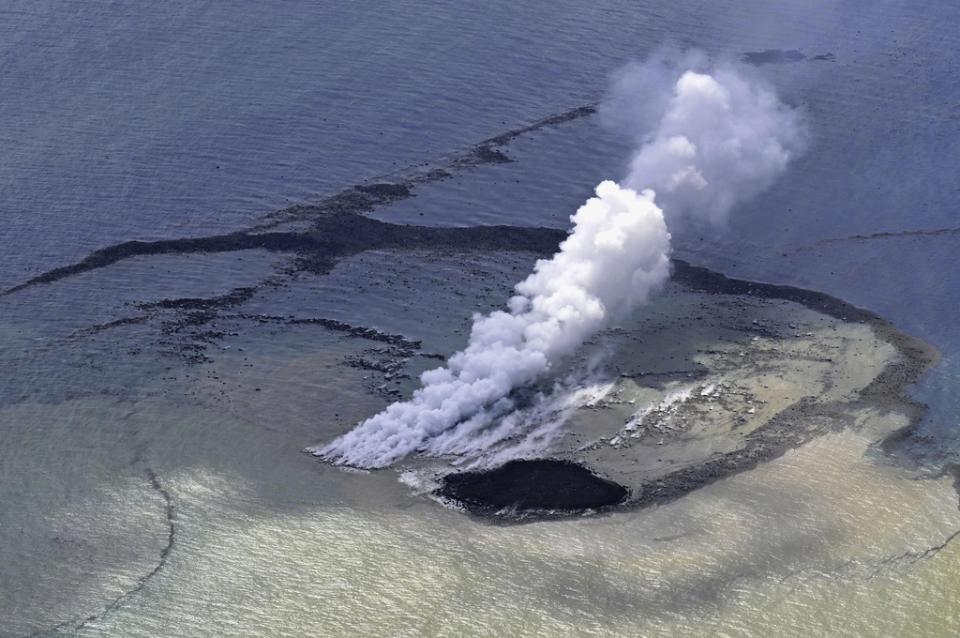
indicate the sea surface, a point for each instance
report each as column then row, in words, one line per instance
column 145, row 494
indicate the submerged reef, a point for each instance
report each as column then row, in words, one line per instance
column 818, row 351
column 716, row 377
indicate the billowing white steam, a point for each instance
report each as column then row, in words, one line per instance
column 617, row 254
column 720, row 139
column 710, row 141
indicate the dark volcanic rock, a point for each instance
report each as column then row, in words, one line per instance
column 490, row 155
column 772, row 56
column 385, row 191
column 531, row 486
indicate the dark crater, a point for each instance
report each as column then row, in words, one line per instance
column 536, row 486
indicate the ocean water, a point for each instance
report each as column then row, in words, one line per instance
column 142, row 495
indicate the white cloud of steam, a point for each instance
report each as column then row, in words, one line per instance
column 524, row 432
column 708, row 142
column 615, row 257
column 714, row 140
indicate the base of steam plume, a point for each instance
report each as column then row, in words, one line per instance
column 616, row 256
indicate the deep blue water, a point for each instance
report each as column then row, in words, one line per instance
column 127, row 121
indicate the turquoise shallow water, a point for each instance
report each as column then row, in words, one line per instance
column 186, row 119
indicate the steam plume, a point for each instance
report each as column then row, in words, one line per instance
column 706, row 141
column 615, row 257
column 719, row 139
